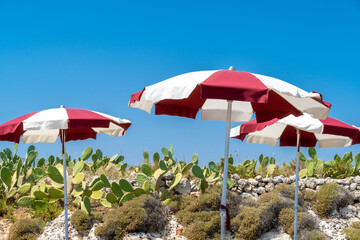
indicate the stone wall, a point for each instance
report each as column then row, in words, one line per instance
column 259, row 185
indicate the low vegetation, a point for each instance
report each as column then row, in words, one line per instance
column 138, row 215
column 100, row 190
column 353, row 232
column 330, row 197
column 26, row 229
column 81, row 220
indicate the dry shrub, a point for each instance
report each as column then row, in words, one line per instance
column 81, row 220
column 286, row 220
column 253, row 221
column 98, row 216
column 309, row 196
column 26, row 229
column 142, row 214
column 330, row 197
column 157, row 214
column 355, row 225
column 353, row 232
column 206, row 226
column 233, row 202
column 246, row 225
column 200, row 216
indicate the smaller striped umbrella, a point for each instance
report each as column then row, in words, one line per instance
column 67, row 123
column 301, row 131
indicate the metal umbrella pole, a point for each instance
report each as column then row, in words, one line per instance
column 62, row 132
column 297, row 182
column 225, row 173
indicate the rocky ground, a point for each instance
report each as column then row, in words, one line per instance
column 331, row 226
column 54, row 230
column 4, row 228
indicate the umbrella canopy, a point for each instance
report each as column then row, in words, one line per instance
column 77, row 124
column 186, row 94
column 301, row 131
column 228, row 95
column 328, row 133
column 68, row 124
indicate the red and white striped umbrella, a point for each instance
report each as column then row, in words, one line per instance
column 301, row 131
column 45, row 126
column 328, row 133
column 228, row 95
column 68, row 123
column 208, row 91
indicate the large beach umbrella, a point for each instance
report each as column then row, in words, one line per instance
column 228, row 95
column 67, row 123
column 301, row 131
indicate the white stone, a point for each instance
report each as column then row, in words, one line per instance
column 310, row 183
column 278, row 179
column 340, row 181
column 287, row 180
column 269, row 187
column 168, row 176
column 183, row 187
column 356, row 195
column 242, row 183
column 260, row 190
column 258, row 178
column 267, row 180
column 348, row 212
column 275, row 235
column 55, row 230
column 235, row 177
column 356, row 179
column 247, row 188
column 320, row 181
column 353, row 186
column 253, row 182
column 293, row 178
column 262, row 184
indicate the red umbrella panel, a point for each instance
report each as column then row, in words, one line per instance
column 68, row 124
column 329, row 132
column 77, row 124
column 208, row 91
column 301, row 131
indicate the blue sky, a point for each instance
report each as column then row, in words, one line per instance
column 94, row 54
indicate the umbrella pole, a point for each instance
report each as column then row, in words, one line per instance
column 225, row 174
column 65, row 184
column 296, row 183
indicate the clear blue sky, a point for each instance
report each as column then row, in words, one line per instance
column 94, row 54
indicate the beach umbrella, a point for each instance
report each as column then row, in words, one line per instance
column 228, row 95
column 301, row 131
column 67, row 123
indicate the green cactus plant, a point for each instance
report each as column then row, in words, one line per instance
column 146, row 169
column 125, row 185
column 86, row 154
column 176, row 181
column 55, row 175
column 25, row 201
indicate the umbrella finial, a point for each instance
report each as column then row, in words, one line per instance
column 62, row 106
column 232, row 68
